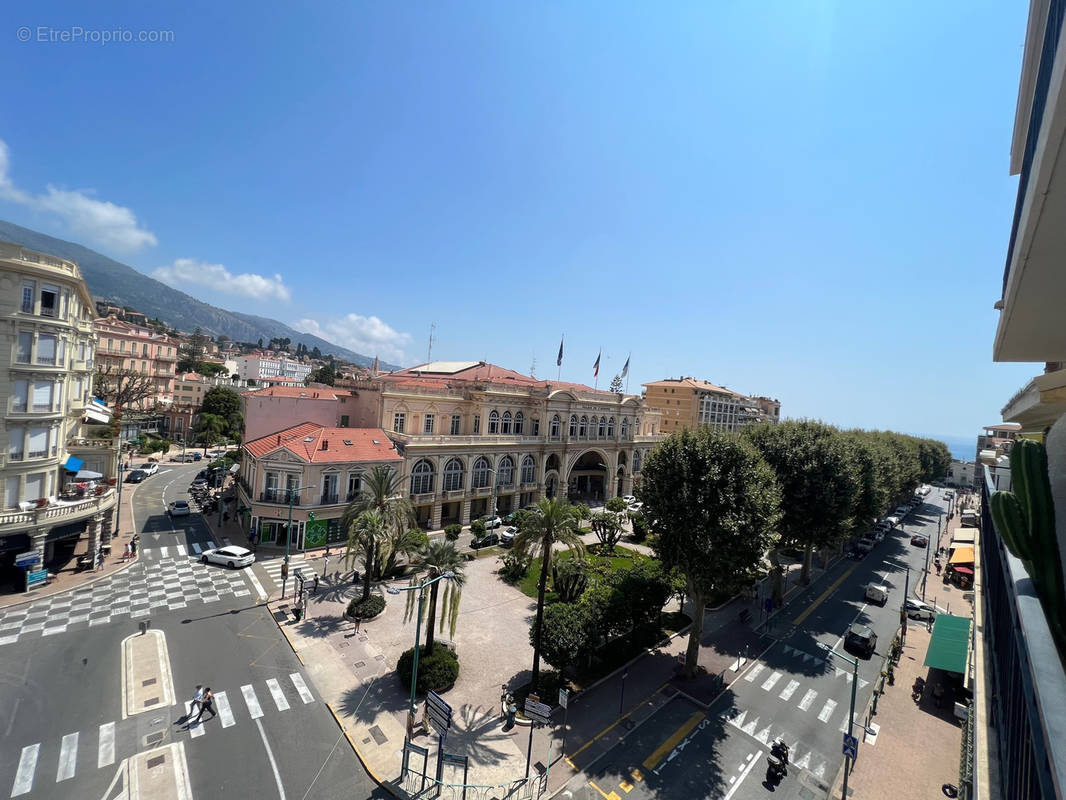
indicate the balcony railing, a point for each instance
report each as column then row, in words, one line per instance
column 56, row 512
column 279, row 496
column 1028, row 685
column 329, row 499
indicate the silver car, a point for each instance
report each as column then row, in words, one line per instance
column 916, row 609
column 231, row 556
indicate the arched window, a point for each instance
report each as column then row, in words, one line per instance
column 506, row 422
column 603, row 427
column 494, row 423
column 573, row 425
column 505, row 472
column 637, row 458
column 529, row 470
column 556, row 426
column 610, row 428
column 453, row 475
column 519, row 423
column 480, row 474
column 422, row 478
column 625, row 427
column 583, row 428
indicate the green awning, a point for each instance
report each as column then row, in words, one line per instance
column 950, row 644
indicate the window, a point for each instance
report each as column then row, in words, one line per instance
column 555, row 426
column 519, row 423
column 61, row 352
column 25, row 345
column 19, row 398
column 636, row 460
column 422, row 478
column 29, row 289
column 38, row 446
column 398, row 420
column 17, row 437
column 42, row 395
column 12, row 496
column 529, row 469
column 453, row 475
column 536, row 426
column 49, row 301
column 457, row 424
column 506, row 422
column 344, row 420
column 573, row 425
column 494, row 423
column 46, row 349
column 603, row 427
column 583, row 428
column 625, row 428
column 144, row 367
column 427, row 424
column 81, row 351
column 77, row 388
column 355, row 485
column 477, row 424
column 144, row 350
column 480, row 476
column 35, row 486
column 505, row 474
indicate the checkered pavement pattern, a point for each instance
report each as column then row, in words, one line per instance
column 170, row 583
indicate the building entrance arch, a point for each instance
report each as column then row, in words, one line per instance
column 587, row 481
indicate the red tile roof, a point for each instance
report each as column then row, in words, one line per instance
column 308, row 392
column 480, row 372
column 342, row 445
column 693, row 383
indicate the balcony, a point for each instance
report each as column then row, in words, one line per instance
column 279, row 497
column 1038, row 404
column 330, row 499
column 55, row 513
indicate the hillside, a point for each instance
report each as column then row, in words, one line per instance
column 121, row 284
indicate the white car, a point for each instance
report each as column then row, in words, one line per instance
column 149, row 467
column 508, row 534
column 231, row 556
column 629, row 499
column 893, row 521
column 179, row 508
column 636, row 507
column 916, row 609
column 491, row 522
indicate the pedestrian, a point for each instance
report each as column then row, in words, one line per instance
column 512, row 710
column 358, row 623
column 197, row 700
column 325, row 562
column 207, row 703
column 929, row 623
column 129, row 552
column 314, row 585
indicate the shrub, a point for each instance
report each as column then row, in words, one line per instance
column 437, row 670
column 640, row 527
column 515, row 566
column 477, row 527
column 366, row 609
column 569, row 634
column 451, row 532
column 616, row 505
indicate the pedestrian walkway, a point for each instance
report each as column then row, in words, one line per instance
column 298, row 565
column 99, row 746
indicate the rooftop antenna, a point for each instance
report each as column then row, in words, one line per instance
column 429, row 351
column 533, row 367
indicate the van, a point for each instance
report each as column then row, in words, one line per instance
column 877, row 594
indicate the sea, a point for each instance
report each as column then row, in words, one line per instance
column 963, row 448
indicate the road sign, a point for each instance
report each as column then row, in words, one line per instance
column 564, row 697
column 851, row 746
column 29, row 558
column 439, row 712
column 537, row 711
column 36, row 578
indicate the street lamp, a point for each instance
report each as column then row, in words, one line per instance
column 418, row 633
column 288, row 536
column 903, row 605
column 851, row 714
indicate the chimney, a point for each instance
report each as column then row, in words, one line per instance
column 279, row 439
column 325, row 444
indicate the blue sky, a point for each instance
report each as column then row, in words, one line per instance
column 808, row 200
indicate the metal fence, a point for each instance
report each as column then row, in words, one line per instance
column 414, row 785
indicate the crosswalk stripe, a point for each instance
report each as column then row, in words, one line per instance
column 808, row 698
column 194, row 730
column 301, row 687
column 827, row 710
column 251, row 701
column 68, row 757
column 768, row 684
column 105, row 753
column 751, row 676
column 196, row 548
column 789, row 690
column 181, row 550
column 225, row 713
column 27, row 766
column 277, row 694
column 162, row 552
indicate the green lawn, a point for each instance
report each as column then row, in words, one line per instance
column 623, row 558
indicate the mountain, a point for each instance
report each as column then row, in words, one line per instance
column 122, row 285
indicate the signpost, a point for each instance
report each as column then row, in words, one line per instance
column 440, row 717
column 36, row 578
column 851, row 746
column 564, row 701
column 538, row 713
column 28, row 559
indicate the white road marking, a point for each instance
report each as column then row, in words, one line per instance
column 808, row 698
column 68, row 757
column 301, row 687
column 181, row 550
column 27, row 766
column 827, row 710
column 768, row 684
column 198, row 728
column 273, row 763
column 259, row 590
column 750, row 727
column 196, row 548
column 805, row 761
column 763, row 735
column 277, row 694
column 819, row 771
column 105, row 753
column 788, row 691
column 251, row 701
column 754, row 672
column 743, row 775
column 225, row 713
column 162, row 552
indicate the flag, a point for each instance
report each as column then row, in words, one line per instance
column 625, row 369
column 559, row 360
column 596, row 366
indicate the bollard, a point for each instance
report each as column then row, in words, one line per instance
column 146, row 625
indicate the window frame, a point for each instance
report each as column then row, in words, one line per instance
column 529, row 469
column 453, row 475
column 494, row 423
column 422, row 475
column 456, row 424
column 399, row 421
column 481, row 467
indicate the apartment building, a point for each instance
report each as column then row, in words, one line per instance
column 273, row 408
column 993, row 449
column 123, row 345
column 310, row 469
column 261, row 367
column 46, row 386
column 688, row 403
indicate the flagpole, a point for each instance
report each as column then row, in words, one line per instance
column 559, row 360
column 627, row 372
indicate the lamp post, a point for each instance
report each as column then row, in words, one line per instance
column 288, row 536
column 418, row 633
column 902, row 605
column 851, row 713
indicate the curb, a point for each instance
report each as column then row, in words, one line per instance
column 388, row 787
column 282, row 631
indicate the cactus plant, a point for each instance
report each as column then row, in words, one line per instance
column 570, row 577
column 1025, row 519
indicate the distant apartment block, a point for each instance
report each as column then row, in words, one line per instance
column 961, row 473
column 123, row 345
column 274, row 408
column 688, row 403
column 993, row 450
column 265, row 368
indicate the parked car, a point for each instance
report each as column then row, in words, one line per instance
column 918, row 540
column 179, row 508
column 629, row 499
column 196, row 456
column 148, row 467
column 231, row 556
column 861, row 639
column 491, row 521
column 916, row 609
column 487, row 540
column 879, row 534
column 136, row 476
column 198, row 483
column 507, row 535
column 183, row 459
column 636, row 507
column 902, row 511
column 876, row 593
column 893, row 520
column 865, row 544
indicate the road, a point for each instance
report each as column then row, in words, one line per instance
column 64, row 732
column 792, row 692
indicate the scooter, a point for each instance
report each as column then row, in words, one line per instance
column 775, row 770
column 918, row 689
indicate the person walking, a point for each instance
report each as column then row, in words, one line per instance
column 207, row 703
column 197, row 700
column 314, row 585
column 512, row 710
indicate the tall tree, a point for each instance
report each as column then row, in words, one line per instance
column 616, row 384
column 437, row 559
column 607, row 525
column 191, row 351
column 122, row 388
column 365, row 534
column 381, row 490
column 557, row 523
column 819, row 488
column 224, row 402
column 714, row 504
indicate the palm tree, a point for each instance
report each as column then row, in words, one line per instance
column 365, row 534
column 382, row 491
column 435, row 559
column 557, row 523
column 402, row 543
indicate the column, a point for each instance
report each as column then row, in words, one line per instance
column 94, row 535
column 464, row 513
column 434, row 515
column 37, row 542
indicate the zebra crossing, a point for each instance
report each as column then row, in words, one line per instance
column 297, row 566
column 192, row 550
column 76, row 749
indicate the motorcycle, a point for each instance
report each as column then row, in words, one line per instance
column 776, row 771
column 918, row 689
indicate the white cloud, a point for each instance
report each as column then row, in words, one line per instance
column 187, row 271
column 98, row 221
column 368, row 336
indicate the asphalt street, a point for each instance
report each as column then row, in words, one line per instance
column 63, row 734
column 791, row 692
